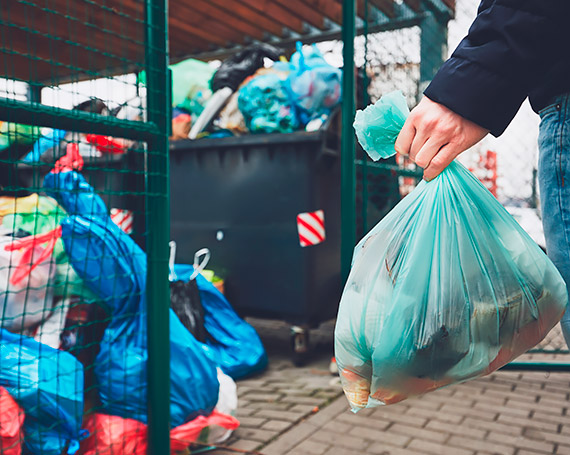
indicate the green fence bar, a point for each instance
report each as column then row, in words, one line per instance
column 83, row 122
column 348, row 172
column 158, row 216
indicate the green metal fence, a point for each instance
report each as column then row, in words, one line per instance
column 58, row 59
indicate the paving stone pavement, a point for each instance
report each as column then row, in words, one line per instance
column 301, row 411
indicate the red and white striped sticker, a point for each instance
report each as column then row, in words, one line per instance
column 124, row 219
column 311, row 227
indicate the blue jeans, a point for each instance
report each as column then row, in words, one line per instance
column 554, row 183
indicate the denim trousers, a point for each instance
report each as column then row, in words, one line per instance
column 554, row 184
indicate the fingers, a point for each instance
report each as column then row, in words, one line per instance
column 404, row 141
column 430, row 149
column 440, row 161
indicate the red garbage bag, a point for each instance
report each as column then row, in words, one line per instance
column 11, row 421
column 114, row 435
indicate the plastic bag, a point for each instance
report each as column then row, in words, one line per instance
column 231, row 117
column 113, row 435
column 236, row 68
column 16, row 134
column 266, row 106
column 446, row 288
column 113, row 266
column 227, row 405
column 232, row 343
column 37, row 215
column 315, row 86
column 378, row 126
column 48, row 385
column 11, row 422
column 26, row 295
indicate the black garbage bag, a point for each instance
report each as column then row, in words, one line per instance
column 236, row 68
column 185, row 302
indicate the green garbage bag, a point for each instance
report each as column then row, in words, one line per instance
column 446, row 288
column 190, row 84
column 16, row 134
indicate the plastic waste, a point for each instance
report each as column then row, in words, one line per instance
column 227, row 405
column 181, row 124
column 50, row 139
column 213, row 106
column 190, row 84
column 113, row 266
column 113, row 435
column 48, row 385
column 446, row 288
column 36, row 214
column 231, row 117
column 26, row 295
column 236, row 68
column 16, row 134
column 378, row 126
column 11, row 422
column 232, row 343
column 266, row 105
column 314, row 85
column 185, row 298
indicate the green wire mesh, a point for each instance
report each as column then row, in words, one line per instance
column 68, row 76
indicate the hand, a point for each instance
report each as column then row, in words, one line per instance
column 434, row 135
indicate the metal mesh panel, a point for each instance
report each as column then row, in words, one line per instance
column 77, row 130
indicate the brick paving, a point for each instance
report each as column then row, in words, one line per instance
column 301, row 411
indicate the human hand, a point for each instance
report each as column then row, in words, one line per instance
column 434, row 135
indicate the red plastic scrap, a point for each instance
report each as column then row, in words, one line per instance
column 113, row 435
column 105, row 144
column 11, row 421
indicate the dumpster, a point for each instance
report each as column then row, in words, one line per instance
column 247, row 199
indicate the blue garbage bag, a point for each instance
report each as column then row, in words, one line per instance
column 314, row 85
column 113, row 266
column 235, row 345
column 44, row 143
column 48, row 385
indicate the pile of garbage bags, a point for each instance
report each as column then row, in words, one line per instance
column 73, row 334
column 244, row 96
column 446, row 288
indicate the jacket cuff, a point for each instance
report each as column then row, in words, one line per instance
column 475, row 93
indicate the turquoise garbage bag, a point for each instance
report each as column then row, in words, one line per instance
column 266, row 105
column 446, row 288
column 313, row 84
column 378, row 126
column 48, row 385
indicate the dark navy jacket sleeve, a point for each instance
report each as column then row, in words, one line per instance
column 511, row 48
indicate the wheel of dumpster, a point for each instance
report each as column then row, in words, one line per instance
column 299, row 344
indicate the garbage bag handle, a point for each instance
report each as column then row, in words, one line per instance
column 26, row 266
column 71, row 161
column 172, row 274
column 198, row 267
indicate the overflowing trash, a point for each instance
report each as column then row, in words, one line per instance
column 59, row 349
column 446, row 288
column 244, row 95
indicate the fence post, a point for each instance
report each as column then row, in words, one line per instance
column 348, row 170
column 158, row 227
